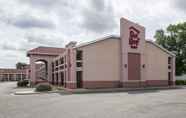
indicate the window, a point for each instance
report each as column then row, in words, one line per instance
column 62, row 60
column 61, row 67
column 18, row 77
column 169, row 60
column 62, row 78
column 169, row 67
column 11, row 77
column 52, row 66
column 57, row 78
column 52, row 78
column 79, row 64
column 23, row 76
column 79, row 55
column 56, row 63
column 170, row 82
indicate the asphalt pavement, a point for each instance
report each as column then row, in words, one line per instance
column 132, row 104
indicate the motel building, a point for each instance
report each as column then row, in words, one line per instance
column 128, row 60
column 12, row 74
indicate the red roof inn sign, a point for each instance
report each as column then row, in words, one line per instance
column 133, row 37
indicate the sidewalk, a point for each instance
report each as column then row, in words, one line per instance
column 30, row 91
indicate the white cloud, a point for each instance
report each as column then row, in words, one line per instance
column 98, row 17
column 180, row 4
column 26, row 24
column 26, row 21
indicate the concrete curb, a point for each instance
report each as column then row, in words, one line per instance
column 86, row 91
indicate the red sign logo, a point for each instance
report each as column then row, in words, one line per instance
column 133, row 37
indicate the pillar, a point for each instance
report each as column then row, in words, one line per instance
column 14, row 77
column 0, row 77
column 21, row 76
column 49, row 71
column 33, row 70
column 8, row 77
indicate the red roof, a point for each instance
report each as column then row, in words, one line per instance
column 46, row 51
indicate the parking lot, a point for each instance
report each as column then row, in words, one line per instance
column 134, row 104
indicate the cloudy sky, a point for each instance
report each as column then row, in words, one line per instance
column 26, row 24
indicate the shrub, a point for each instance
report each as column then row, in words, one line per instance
column 180, row 82
column 43, row 87
column 22, row 83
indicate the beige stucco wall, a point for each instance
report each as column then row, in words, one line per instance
column 101, row 61
column 156, row 63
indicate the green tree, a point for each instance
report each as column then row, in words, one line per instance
column 174, row 40
column 21, row 65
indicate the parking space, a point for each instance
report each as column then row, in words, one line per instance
column 135, row 104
